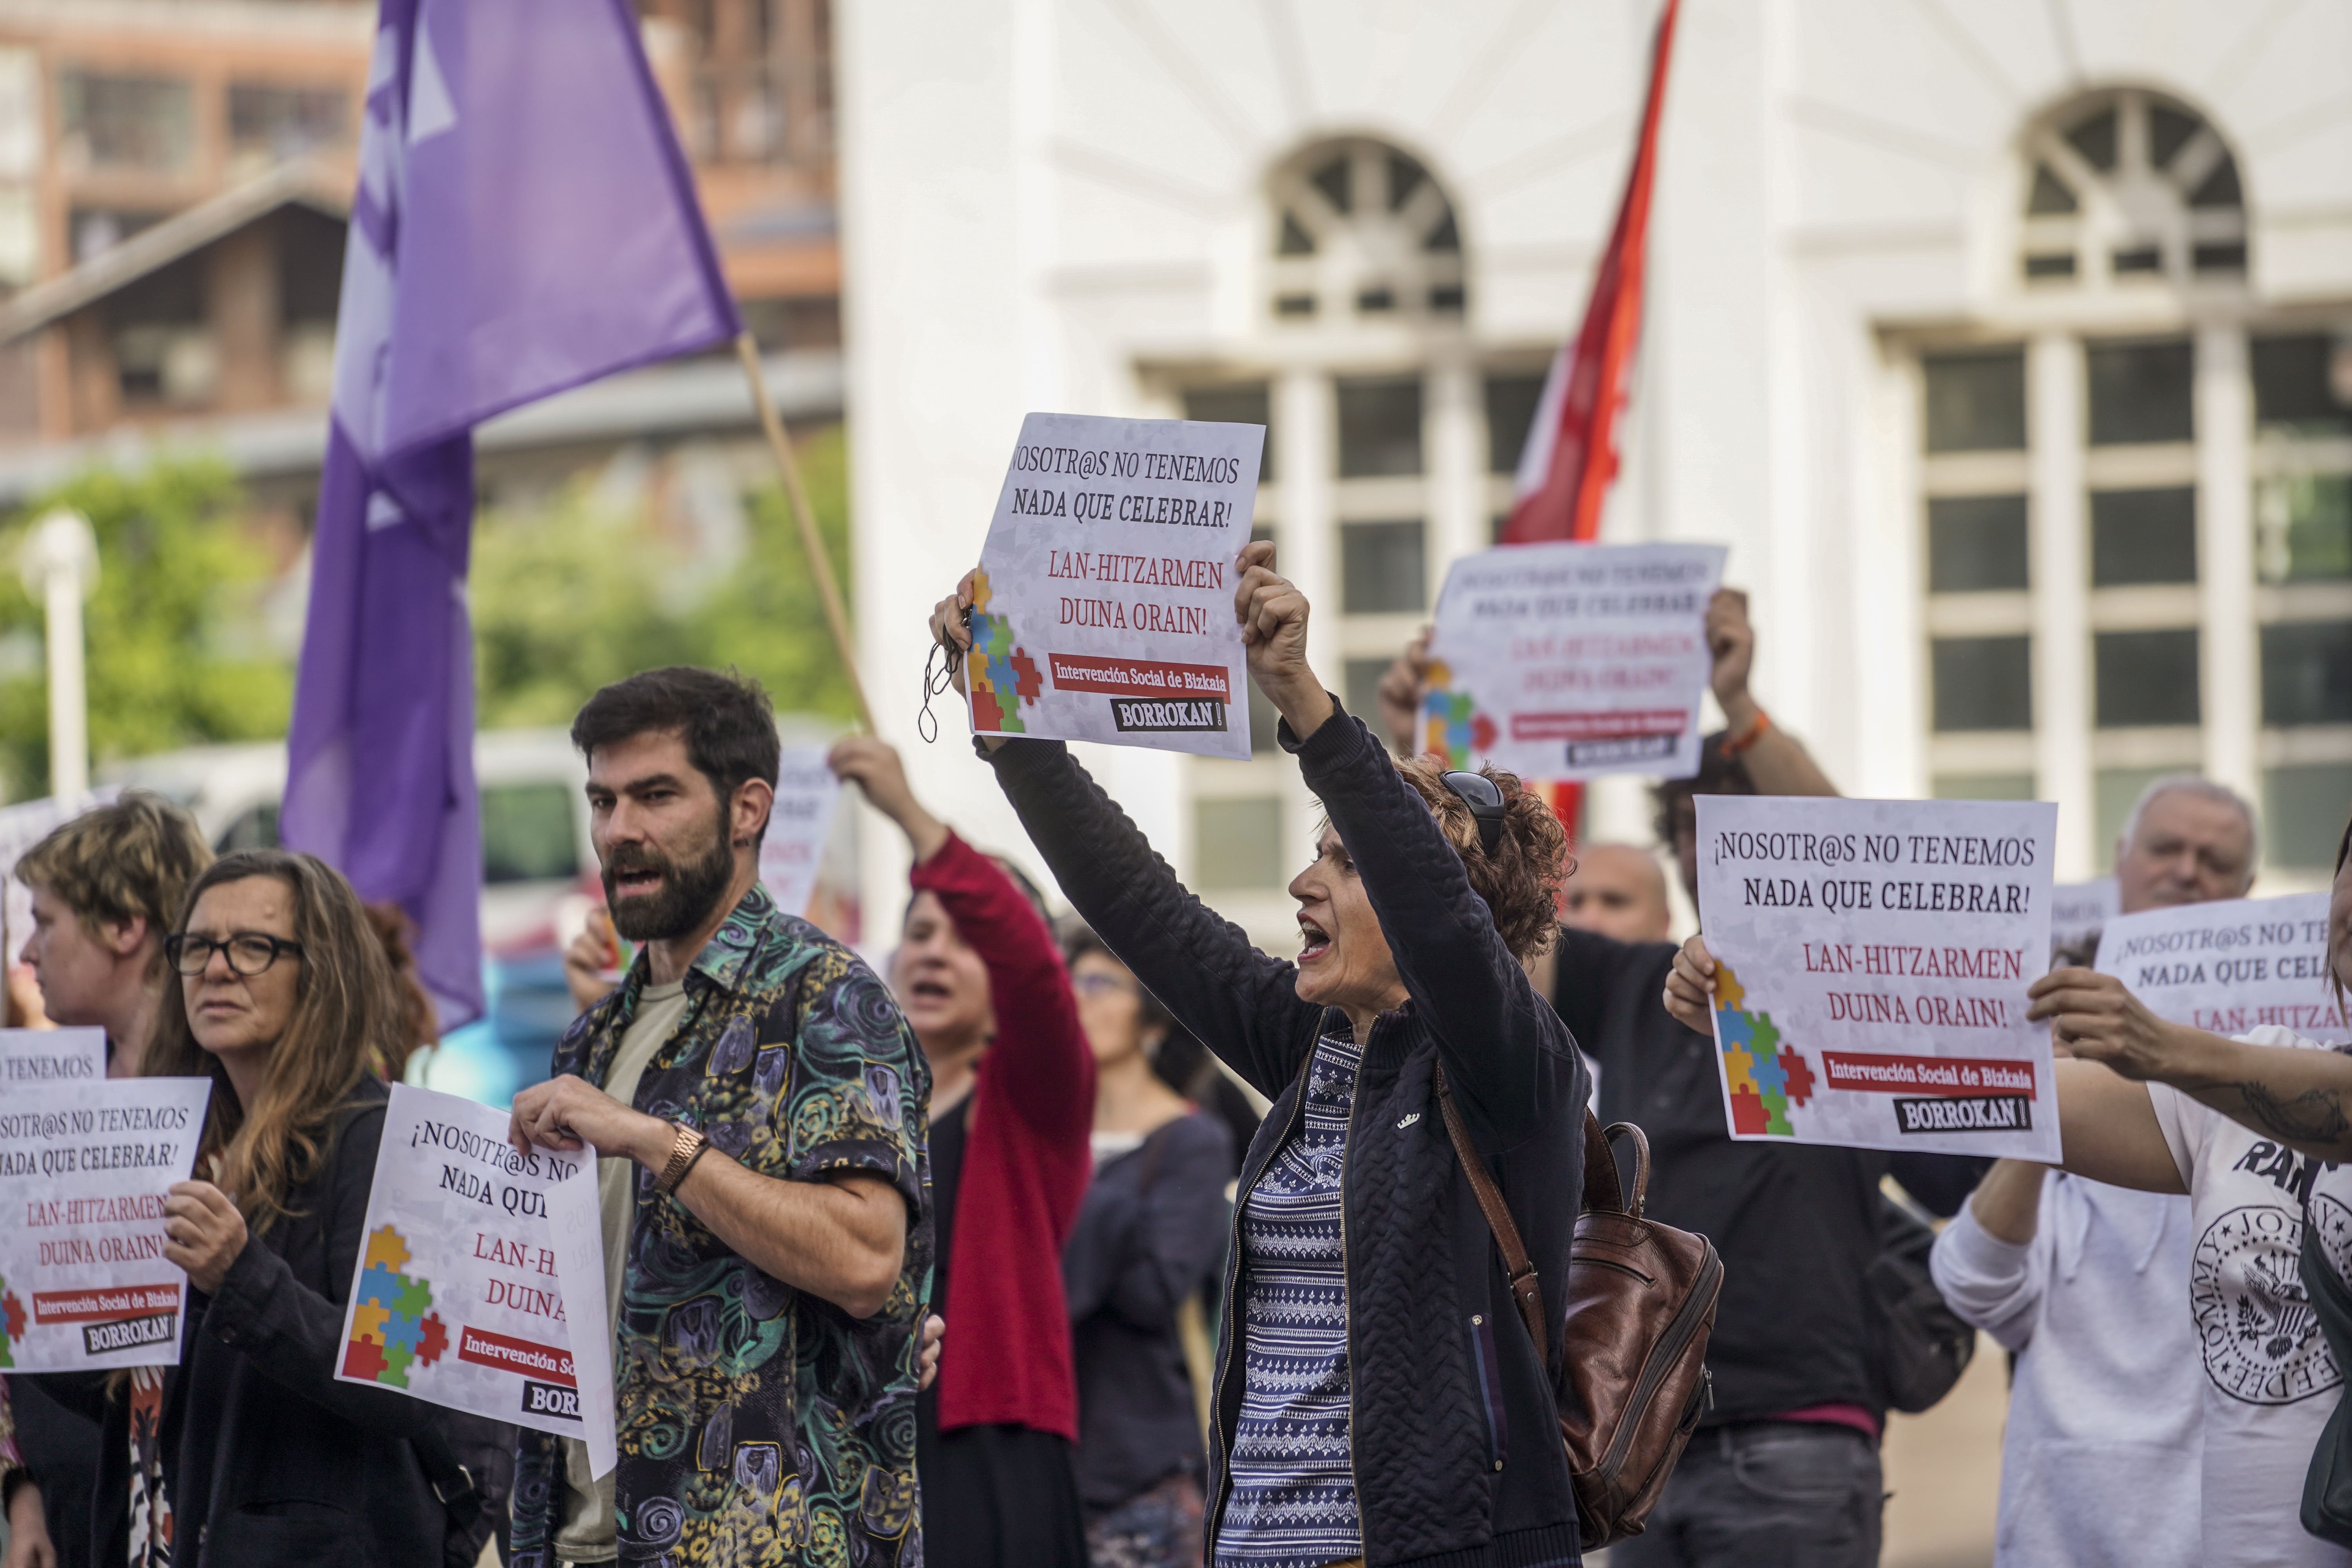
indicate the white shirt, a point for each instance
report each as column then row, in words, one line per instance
column 2101, row 1453
column 2270, row 1382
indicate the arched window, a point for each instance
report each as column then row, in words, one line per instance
column 1362, row 232
column 2125, row 186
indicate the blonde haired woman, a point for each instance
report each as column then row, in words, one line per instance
column 249, row 1451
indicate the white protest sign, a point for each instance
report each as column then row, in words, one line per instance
column 2231, row 966
column 1567, row 661
column 465, row 1296
column 35, row 1059
column 1872, row 958
column 2080, row 911
column 84, row 1170
column 1103, row 605
column 793, row 853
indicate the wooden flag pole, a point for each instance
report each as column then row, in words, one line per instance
column 836, row 613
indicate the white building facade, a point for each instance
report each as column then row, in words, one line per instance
column 2008, row 345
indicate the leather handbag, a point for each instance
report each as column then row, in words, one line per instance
column 2326, row 1510
column 1632, row 1379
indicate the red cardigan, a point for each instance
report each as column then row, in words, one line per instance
column 1027, row 1160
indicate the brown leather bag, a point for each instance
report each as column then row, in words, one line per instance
column 1640, row 1304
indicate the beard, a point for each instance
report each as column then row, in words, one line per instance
column 690, row 890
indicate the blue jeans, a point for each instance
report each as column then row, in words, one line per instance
column 1766, row 1494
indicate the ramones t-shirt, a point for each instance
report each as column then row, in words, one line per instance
column 2271, row 1381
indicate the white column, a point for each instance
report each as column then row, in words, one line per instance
column 1454, row 434
column 1307, row 542
column 2061, row 576
column 2230, row 681
column 60, row 567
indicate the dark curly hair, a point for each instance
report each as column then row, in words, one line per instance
column 1520, row 884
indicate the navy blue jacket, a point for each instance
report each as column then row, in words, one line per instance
column 1455, row 1445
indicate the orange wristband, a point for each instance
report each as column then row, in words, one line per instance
column 1734, row 745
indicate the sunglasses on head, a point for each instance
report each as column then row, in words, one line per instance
column 1484, row 799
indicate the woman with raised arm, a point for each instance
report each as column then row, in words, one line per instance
column 251, row 1451
column 1377, row 1394
column 2258, row 1132
column 1012, row 1098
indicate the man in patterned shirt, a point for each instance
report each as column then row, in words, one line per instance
column 756, row 1101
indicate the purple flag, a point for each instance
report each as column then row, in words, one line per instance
column 524, row 223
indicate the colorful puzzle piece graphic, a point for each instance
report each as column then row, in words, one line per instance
column 1765, row 1075
column 12, row 1323
column 1002, row 675
column 390, row 1330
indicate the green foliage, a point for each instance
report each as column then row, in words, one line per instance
column 177, row 576
column 568, row 597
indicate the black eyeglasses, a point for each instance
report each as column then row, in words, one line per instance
column 248, row 951
column 1484, row 799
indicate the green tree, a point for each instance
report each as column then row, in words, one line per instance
column 568, row 596
column 179, row 578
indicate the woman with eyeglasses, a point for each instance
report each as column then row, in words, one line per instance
column 249, row 1451
column 1139, row 1268
column 1012, row 1091
column 1377, row 1394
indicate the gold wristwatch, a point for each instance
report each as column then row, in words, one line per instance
column 684, row 1150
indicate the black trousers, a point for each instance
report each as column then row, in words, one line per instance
column 996, row 1497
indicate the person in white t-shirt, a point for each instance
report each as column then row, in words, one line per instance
column 2258, row 1132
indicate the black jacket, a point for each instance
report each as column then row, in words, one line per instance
column 1151, row 1235
column 1444, row 1480
column 1797, row 1225
column 266, row 1458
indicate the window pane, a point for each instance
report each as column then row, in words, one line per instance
column 1975, row 543
column 1362, row 690
column 2308, row 673
column 1984, row 786
column 2145, row 678
column 2113, row 792
column 127, row 121
column 1984, row 683
column 1380, row 567
column 2303, row 811
column 2140, row 392
column 1238, row 844
column 2291, row 390
column 527, row 833
column 1379, row 429
column 1245, row 404
column 287, row 122
column 1510, row 409
column 2143, row 536
column 1262, row 717
column 2303, row 527
column 1975, row 403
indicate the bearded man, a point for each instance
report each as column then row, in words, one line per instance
column 756, row 1101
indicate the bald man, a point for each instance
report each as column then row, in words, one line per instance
column 1618, row 890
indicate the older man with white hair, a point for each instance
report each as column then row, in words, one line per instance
column 2088, row 1284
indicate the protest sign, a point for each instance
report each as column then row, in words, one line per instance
column 1872, row 958
column 2080, row 911
column 476, row 1289
column 1567, row 661
column 84, row 1170
column 2231, row 966
column 793, row 853
column 35, row 1059
column 1103, row 609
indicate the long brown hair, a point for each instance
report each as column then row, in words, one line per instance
column 346, row 1019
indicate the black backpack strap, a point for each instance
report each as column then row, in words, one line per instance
column 452, row 1483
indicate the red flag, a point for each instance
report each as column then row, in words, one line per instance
column 1572, row 450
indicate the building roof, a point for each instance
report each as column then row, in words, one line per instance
column 296, row 184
